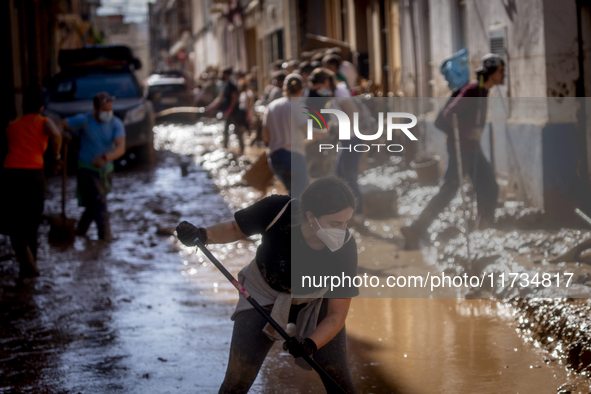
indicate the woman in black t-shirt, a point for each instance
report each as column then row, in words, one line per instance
column 299, row 237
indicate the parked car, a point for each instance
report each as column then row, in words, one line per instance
column 176, row 74
column 87, row 71
column 167, row 92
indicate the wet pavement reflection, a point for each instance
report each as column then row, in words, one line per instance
column 144, row 314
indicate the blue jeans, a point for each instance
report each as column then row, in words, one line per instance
column 482, row 175
column 291, row 169
column 347, row 168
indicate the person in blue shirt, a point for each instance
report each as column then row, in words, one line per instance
column 102, row 140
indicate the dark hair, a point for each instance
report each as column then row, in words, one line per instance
column 278, row 64
column 279, row 76
column 334, row 60
column 101, row 98
column 306, row 68
column 488, row 71
column 293, row 83
column 320, row 75
column 326, row 196
column 32, row 99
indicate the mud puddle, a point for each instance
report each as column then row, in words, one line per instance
column 457, row 345
column 145, row 314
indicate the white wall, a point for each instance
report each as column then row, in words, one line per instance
column 525, row 45
column 561, row 47
column 517, row 123
column 205, row 40
column 441, row 42
column 206, row 52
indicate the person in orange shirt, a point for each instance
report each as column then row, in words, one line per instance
column 23, row 181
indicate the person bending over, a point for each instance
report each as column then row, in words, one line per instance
column 300, row 237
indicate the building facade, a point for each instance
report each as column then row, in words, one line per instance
column 35, row 31
column 171, row 39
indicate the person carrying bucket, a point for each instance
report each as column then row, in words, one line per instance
column 23, row 180
column 102, row 140
column 470, row 110
column 296, row 234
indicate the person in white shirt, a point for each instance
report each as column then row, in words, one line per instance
column 287, row 154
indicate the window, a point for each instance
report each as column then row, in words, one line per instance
column 85, row 87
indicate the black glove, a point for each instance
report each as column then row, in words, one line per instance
column 187, row 233
column 299, row 346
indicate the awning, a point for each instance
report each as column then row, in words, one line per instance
column 320, row 42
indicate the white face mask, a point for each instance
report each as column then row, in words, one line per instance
column 333, row 238
column 105, row 116
column 324, row 92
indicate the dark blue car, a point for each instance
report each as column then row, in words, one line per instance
column 87, row 71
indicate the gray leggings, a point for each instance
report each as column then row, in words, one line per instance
column 250, row 347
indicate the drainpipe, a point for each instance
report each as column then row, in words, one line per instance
column 582, row 118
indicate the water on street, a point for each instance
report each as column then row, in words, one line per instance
column 145, row 314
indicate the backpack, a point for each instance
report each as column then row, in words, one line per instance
column 456, row 72
column 455, row 69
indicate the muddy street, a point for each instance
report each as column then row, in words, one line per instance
column 144, row 314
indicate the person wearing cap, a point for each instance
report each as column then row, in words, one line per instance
column 470, row 107
column 227, row 102
column 23, row 181
column 286, row 150
column 102, row 140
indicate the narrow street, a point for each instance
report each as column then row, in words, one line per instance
column 144, row 314
column 461, row 127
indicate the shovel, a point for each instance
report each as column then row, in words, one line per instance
column 62, row 229
column 461, row 181
column 334, row 387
